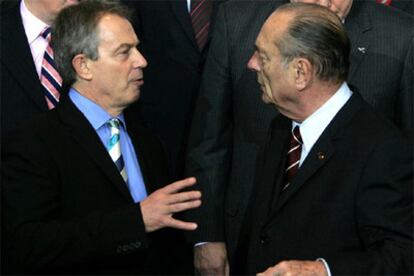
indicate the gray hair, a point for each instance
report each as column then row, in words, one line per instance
column 75, row 32
column 317, row 34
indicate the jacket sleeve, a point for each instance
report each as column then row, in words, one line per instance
column 36, row 236
column 384, row 215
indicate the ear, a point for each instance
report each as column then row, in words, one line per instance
column 81, row 65
column 303, row 73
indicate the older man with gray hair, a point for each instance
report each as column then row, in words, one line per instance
column 333, row 189
column 231, row 122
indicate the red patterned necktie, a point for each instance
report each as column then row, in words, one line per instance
column 200, row 14
column 49, row 77
column 293, row 156
column 385, row 2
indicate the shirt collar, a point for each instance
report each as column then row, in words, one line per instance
column 314, row 125
column 33, row 26
column 95, row 114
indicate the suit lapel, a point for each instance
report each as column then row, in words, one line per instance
column 322, row 151
column 143, row 153
column 18, row 58
column 84, row 134
column 359, row 26
column 179, row 9
column 275, row 157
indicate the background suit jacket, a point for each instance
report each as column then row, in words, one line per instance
column 21, row 92
column 66, row 209
column 231, row 121
column 351, row 201
column 172, row 77
column 405, row 5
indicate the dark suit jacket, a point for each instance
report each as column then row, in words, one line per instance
column 66, row 208
column 351, row 201
column 172, row 77
column 405, row 5
column 21, row 92
column 231, row 121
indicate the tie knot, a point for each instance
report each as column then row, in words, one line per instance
column 114, row 123
column 46, row 33
column 296, row 135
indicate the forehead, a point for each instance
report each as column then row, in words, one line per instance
column 113, row 29
column 272, row 30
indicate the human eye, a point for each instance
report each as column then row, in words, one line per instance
column 125, row 52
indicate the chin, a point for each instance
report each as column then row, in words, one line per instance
column 265, row 99
column 136, row 96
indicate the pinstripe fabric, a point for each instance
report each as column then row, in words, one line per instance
column 114, row 147
column 49, row 77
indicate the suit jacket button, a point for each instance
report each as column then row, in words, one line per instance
column 136, row 245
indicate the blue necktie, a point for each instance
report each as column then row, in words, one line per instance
column 114, row 147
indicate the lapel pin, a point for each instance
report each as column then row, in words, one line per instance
column 362, row 49
column 321, row 155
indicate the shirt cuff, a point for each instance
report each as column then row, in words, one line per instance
column 325, row 264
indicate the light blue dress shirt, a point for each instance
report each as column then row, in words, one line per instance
column 98, row 118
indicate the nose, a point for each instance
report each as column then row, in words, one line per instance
column 139, row 60
column 253, row 63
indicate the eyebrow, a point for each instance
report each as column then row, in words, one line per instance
column 126, row 45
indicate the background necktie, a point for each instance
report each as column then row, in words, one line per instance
column 49, row 77
column 114, row 147
column 385, row 2
column 200, row 14
column 293, row 156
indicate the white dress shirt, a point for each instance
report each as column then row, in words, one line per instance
column 312, row 128
column 33, row 27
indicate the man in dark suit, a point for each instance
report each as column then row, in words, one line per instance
column 338, row 197
column 83, row 185
column 230, row 121
column 22, row 50
column 176, row 61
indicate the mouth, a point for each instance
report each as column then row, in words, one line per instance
column 138, row 81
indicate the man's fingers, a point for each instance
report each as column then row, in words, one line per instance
column 179, row 224
column 183, row 197
column 178, row 207
column 179, row 185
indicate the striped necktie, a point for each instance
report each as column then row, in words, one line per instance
column 200, row 14
column 293, row 156
column 385, row 2
column 49, row 77
column 114, row 147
